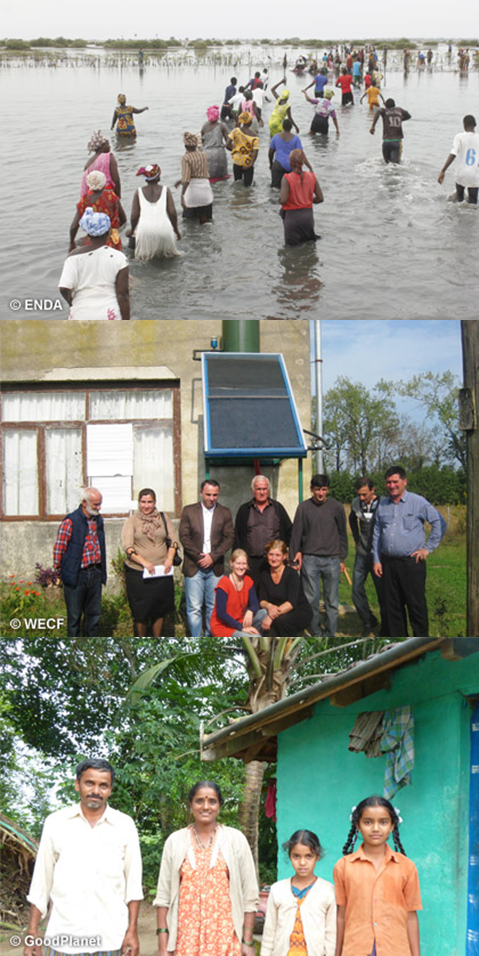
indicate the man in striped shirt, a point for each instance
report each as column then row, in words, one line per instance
column 79, row 557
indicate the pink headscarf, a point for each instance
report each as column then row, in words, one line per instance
column 213, row 113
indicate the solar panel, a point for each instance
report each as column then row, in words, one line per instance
column 249, row 407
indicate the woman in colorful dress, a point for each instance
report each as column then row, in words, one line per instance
column 299, row 191
column 154, row 222
column 281, row 110
column 244, row 147
column 207, row 892
column 94, row 280
column 100, row 199
column 215, row 135
column 196, row 192
column 324, row 112
column 123, row 116
column 104, row 161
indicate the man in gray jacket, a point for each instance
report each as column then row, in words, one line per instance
column 319, row 546
column 361, row 521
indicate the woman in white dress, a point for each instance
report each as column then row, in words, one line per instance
column 94, row 280
column 154, row 222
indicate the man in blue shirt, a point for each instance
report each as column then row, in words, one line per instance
column 229, row 92
column 400, row 550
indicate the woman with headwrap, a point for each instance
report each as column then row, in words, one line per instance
column 123, row 115
column 324, row 111
column 154, row 222
column 148, row 538
column 249, row 105
column 281, row 110
column 214, row 135
column 299, row 191
column 94, row 280
column 244, row 148
column 104, row 161
column 100, row 199
column 196, row 192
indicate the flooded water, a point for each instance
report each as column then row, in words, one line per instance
column 392, row 246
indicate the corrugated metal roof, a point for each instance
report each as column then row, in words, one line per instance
column 242, row 734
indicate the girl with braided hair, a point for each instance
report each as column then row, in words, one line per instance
column 377, row 889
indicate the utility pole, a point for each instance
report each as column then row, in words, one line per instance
column 318, row 388
column 468, row 422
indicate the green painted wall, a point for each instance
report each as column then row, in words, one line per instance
column 319, row 781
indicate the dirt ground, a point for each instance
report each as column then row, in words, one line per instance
column 146, row 932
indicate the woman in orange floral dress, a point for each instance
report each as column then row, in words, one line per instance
column 207, row 893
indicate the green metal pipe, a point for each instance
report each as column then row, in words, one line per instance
column 241, row 335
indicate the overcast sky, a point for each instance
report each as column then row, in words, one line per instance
column 349, row 18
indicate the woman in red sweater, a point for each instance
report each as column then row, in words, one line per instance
column 299, row 191
column 236, row 609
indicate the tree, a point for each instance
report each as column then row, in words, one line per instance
column 437, row 393
column 359, row 425
column 143, row 704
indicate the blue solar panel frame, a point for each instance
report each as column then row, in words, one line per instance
column 224, row 399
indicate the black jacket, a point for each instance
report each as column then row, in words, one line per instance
column 241, row 523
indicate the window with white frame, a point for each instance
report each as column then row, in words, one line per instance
column 118, row 439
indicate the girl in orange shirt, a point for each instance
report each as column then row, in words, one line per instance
column 377, row 889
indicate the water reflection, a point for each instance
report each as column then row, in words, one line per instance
column 299, row 280
column 381, row 227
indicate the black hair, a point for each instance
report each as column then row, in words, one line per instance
column 94, row 763
column 374, row 801
column 211, row 786
column 233, row 80
column 306, row 838
column 209, row 481
column 364, row 482
column 287, row 125
column 320, row 481
column 469, row 120
column 390, row 104
column 147, row 491
column 396, row 470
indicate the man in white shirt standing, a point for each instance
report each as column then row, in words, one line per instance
column 88, row 867
column 466, row 148
column 206, row 533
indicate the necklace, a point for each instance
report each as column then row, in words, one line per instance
column 201, row 845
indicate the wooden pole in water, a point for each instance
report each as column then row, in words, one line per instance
column 468, row 422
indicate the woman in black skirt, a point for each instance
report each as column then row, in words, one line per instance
column 148, row 540
column 281, row 594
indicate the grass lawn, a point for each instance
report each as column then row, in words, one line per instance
column 446, row 597
column 445, row 589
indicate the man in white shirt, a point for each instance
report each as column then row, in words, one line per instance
column 466, row 148
column 88, row 867
column 206, row 533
